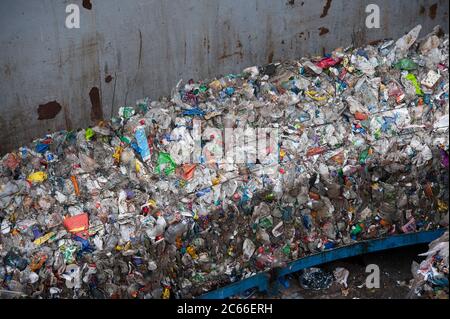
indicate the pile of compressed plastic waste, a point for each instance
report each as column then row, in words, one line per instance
column 112, row 211
column 431, row 275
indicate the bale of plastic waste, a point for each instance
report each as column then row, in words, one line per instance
column 328, row 151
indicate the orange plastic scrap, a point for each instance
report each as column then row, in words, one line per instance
column 361, row 116
column 384, row 223
column 314, row 196
column 338, row 158
column 78, row 225
column 75, row 185
column 178, row 242
column 38, row 262
column 315, row 151
column 188, row 171
column 12, row 161
column 428, row 190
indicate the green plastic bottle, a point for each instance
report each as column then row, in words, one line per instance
column 341, row 176
column 356, row 230
column 287, row 249
column 265, row 223
column 270, row 197
column 406, row 64
column 412, row 78
column 89, row 134
column 363, row 156
column 164, row 160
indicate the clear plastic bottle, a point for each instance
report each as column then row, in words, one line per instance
column 158, row 229
column 175, row 230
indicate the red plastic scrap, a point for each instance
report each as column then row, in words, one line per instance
column 78, row 225
column 188, row 171
column 325, row 63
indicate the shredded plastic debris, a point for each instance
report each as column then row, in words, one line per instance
column 431, row 275
column 341, row 275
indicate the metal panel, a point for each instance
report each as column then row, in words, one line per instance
column 261, row 280
column 136, row 48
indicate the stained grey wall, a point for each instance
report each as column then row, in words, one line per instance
column 143, row 47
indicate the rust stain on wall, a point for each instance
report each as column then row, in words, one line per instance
column 49, row 110
column 375, row 42
column 87, row 4
column 433, row 11
column 359, row 37
column 206, row 43
column 326, row 8
column 270, row 57
column 323, row 30
column 140, row 49
column 96, row 110
column 422, row 10
column 226, row 55
column 67, row 119
column 7, row 70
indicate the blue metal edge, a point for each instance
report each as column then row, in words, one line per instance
column 261, row 280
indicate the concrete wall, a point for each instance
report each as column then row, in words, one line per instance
column 54, row 78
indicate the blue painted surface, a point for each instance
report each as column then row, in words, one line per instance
column 261, row 280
